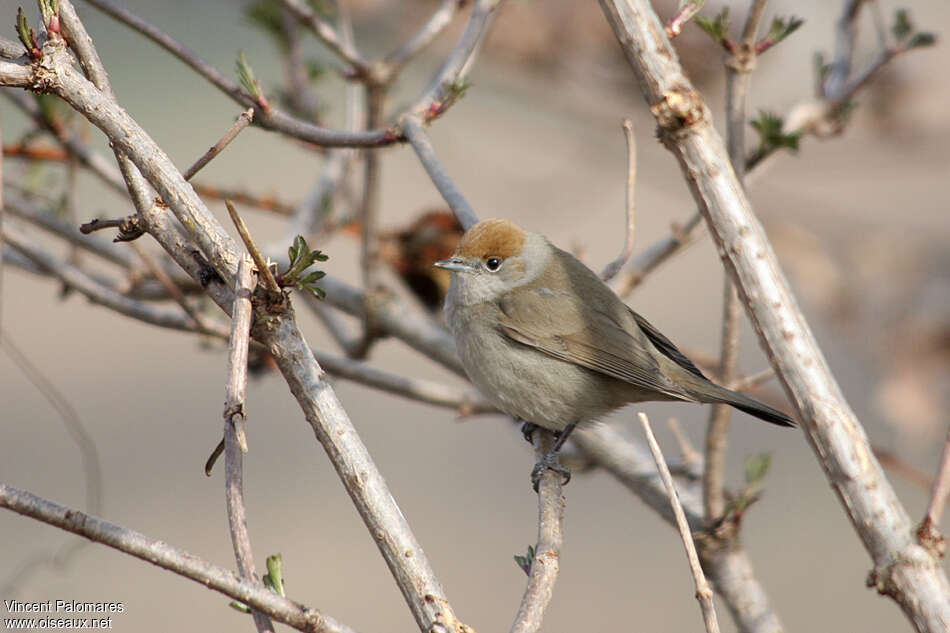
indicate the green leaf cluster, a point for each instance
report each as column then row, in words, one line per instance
column 525, row 562
column 771, row 137
column 297, row 275
column 273, row 580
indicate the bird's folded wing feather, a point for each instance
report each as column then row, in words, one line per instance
column 553, row 323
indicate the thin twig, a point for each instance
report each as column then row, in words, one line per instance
column 544, row 565
column 416, row 135
column 171, row 558
column 739, row 65
column 326, row 33
column 3, row 212
column 243, row 120
column 264, row 202
column 940, row 489
column 91, row 288
column 686, row 12
column 262, row 268
column 369, row 217
column 88, row 452
column 439, row 19
column 169, row 284
column 729, row 568
column 614, row 267
column 302, row 99
column 273, row 119
column 234, row 434
column 703, row 592
column 98, row 164
column 691, row 458
column 751, row 381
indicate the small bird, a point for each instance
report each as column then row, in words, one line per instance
column 548, row 342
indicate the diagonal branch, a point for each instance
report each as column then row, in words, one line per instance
column 171, row 558
column 703, row 592
column 902, row 570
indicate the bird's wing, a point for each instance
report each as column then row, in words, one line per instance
column 666, row 346
column 555, row 324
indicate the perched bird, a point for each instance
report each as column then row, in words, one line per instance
column 549, row 343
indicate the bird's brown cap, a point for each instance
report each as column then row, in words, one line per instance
column 492, row 238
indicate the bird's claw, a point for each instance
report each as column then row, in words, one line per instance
column 549, row 462
column 527, row 431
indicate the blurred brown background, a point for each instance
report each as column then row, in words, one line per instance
column 860, row 223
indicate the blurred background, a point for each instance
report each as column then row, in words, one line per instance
column 860, row 223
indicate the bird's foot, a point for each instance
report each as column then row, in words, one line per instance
column 549, row 462
column 527, row 430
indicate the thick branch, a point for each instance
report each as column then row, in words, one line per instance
column 902, row 568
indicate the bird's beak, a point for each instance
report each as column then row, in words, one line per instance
column 453, row 264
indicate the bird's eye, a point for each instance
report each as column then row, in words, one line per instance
column 492, row 263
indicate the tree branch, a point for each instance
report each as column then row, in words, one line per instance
column 544, row 564
column 171, row 558
column 703, row 592
column 902, row 569
column 235, row 443
column 614, row 267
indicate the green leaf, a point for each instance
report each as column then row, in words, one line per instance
column 525, row 562
column 782, row 28
column 275, row 574
column 301, row 259
column 920, row 39
column 902, row 25
column 718, row 27
column 239, row 606
column 771, row 137
column 247, row 78
column 23, row 31
column 756, row 470
column 313, row 277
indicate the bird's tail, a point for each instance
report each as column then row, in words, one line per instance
column 713, row 393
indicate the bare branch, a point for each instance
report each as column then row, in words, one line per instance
column 752, row 380
column 88, row 452
column 326, row 33
column 102, row 167
column 902, row 568
column 452, row 75
column 262, row 268
column 171, row 558
column 412, row 127
column 21, row 207
column 439, row 19
column 929, row 532
column 614, row 267
column 273, row 119
column 729, row 568
column 464, row 401
column 243, row 120
column 544, row 564
column 159, row 273
column 703, row 592
column 98, row 293
column 320, row 405
column 739, row 65
column 265, row 202
column 234, row 439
